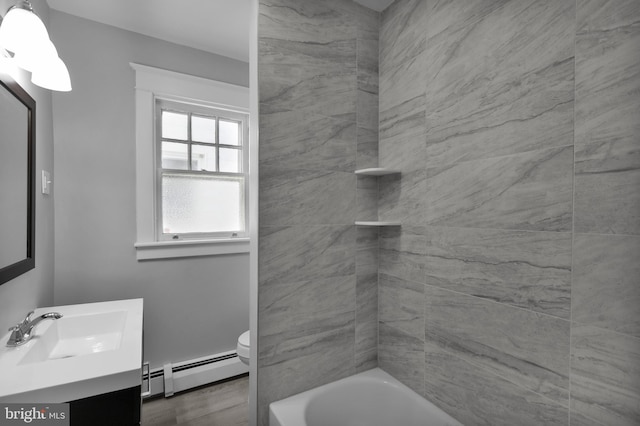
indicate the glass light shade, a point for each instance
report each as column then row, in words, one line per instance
column 8, row 66
column 52, row 75
column 22, row 30
column 37, row 56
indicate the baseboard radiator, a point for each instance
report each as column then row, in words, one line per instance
column 173, row 378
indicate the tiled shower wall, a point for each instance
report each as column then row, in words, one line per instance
column 318, row 82
column 511, row 294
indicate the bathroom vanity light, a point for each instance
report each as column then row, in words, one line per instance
column 24, row 34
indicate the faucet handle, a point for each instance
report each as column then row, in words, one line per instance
column 16, row 337
column 27, row 319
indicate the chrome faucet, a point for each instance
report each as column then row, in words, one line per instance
column 23, row 332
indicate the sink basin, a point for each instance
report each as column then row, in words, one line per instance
column 79, row 335
column 95, row 348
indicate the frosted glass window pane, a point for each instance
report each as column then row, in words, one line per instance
column 175, row 155
column 203, row 129
column 174, row 125
column 229, row 160
column 229, row 132
column 203, row 158
column 193, row 204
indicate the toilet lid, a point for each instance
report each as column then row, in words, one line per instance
column 244, row 344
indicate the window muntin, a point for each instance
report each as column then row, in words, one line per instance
column 201, row 163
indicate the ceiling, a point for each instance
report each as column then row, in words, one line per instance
column 216, row 26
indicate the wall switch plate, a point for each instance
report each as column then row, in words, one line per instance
column 46, row 182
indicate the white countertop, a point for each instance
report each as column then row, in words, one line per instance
column 68, row 379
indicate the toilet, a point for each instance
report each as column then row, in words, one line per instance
column 244, row 343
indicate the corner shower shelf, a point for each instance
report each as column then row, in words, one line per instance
column 377, row 223
column 377, row 171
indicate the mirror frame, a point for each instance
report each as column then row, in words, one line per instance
column 9, row 272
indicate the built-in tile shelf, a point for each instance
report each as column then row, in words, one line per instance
column 377, row 171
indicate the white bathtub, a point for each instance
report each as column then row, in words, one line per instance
column 372, row 398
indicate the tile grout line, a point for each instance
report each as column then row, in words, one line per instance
column 573, row 208
column 478, row 297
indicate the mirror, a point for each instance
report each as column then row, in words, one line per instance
column 17, row 179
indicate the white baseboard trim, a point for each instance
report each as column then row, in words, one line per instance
column 197, row 372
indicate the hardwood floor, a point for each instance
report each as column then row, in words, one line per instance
column 222, row 404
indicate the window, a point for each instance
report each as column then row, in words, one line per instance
column 201, row 171
column 192, row 164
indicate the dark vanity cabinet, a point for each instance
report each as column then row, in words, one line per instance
column 119, row 408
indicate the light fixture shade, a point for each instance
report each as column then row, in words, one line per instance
column 37, row 57
column 24, row 34
column 22, row 30
column 53, row 76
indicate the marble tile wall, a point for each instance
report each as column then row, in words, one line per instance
column 318, row 277
column 605, row 335
column 510, row 295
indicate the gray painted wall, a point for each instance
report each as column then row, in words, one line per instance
column 34, row 288
column 317, row 295
column 193, row 306
column 511, row 293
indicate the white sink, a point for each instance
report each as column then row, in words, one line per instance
column 93, row 349
column 79, row 335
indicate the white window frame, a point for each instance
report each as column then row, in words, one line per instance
column 155, row 83
column 219, row 114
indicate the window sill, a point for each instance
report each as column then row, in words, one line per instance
column 193, row 248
